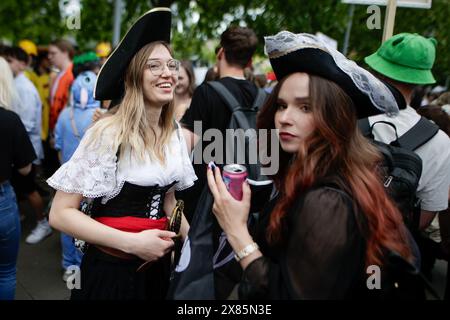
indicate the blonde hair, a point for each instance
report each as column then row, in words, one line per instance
column 8, row 93
column 130, row 125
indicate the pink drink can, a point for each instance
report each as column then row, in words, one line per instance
column 234, row 175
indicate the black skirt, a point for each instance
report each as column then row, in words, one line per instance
column 105, row 277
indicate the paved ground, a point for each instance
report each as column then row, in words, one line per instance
column 439, row 277
column 39, row 274
column 39, row 271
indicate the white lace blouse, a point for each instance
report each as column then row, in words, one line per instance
column 94, row 171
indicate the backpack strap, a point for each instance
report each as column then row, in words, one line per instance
column 418, row 135
column 364, row 127
column 226, row 95
column 414, row 138
column 238, row 114
column 233, row 105
column 259, row 100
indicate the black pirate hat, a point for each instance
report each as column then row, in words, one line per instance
column 290, row 53
column 154, row 25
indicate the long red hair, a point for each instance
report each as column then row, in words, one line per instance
column 336, row 147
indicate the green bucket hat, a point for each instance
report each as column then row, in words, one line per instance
column 89, row 56
column 405, row 57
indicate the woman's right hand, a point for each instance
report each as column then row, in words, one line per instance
column 151, row 245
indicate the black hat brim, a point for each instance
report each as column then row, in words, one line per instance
column 154, row 25
column 320, row 63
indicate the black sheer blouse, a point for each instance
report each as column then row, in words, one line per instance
column 323, row 257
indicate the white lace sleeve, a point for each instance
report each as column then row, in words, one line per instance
column 91, row 171
column 187, row 176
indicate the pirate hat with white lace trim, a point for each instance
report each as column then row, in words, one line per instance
column 290, row 53
column 154, row 25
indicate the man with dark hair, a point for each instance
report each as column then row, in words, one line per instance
column 237, row 46
column 28, row 106
column 17, row 53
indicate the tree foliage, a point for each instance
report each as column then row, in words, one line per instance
column 197, row 24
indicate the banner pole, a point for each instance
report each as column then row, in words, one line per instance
column 389, row 19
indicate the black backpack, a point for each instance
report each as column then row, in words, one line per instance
column 402, row 169
column 402, row 166
column 242, row 118
column 207, row 260
column 227, row 271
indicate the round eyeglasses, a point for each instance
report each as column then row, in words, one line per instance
column 157, row 67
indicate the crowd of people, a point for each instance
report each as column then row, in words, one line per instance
column 115, row 130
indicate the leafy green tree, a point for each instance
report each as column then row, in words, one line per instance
column 432, row 22
column 197, row 24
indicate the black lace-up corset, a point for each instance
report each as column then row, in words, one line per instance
column 134, row 201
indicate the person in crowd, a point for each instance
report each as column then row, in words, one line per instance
column 103, row 50
column 30, row 107
column 331, row 217
column 436, row 92
column 211, row 74
column 70, row 128
column 184, row 89
column 42, row 82
column 237, row 46
column 87, row 61
column 438, row 233
column 130, row 163
column 444, row 102
column 436, row 114
column 17, row 154
column 418, row 98
column 261, row 80
column 233, row 57
column 405, row 61
column 271, row 81
column 60, row 54
column 29, row 47
column 436, row 237
column 32, row 51
column 30, row 112
column 249, row 74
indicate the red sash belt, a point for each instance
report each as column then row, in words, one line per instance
column 133, row 224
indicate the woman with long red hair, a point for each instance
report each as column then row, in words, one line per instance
column 331, row 218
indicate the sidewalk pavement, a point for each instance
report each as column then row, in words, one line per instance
column 39, row 270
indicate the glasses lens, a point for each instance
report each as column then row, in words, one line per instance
column 173, row 66
column 155, row 67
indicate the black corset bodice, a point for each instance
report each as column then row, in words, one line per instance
column 133, row 201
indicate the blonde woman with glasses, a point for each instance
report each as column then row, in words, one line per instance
column 130, row 163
